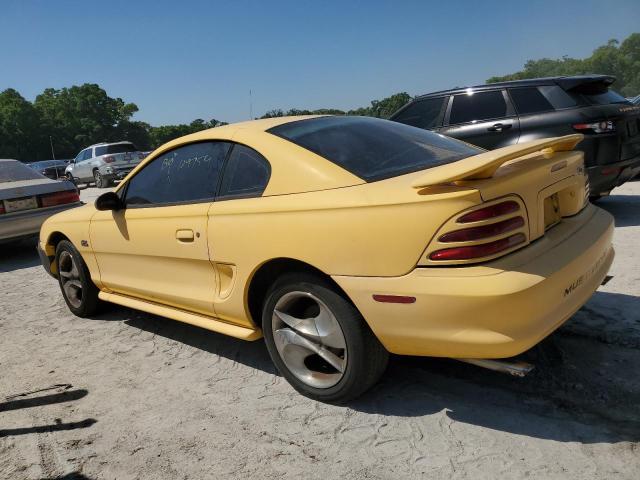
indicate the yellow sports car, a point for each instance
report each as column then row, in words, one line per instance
column 341, row 239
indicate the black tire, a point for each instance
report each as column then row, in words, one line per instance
column 101, row 182
column 88, row 303
column 366, row 358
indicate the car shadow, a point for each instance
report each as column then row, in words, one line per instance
column 252, row 354
column 69, row 476
column 578, row 379
column 18, row 255
column 624, row 208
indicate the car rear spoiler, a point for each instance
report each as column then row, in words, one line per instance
column 484, row 165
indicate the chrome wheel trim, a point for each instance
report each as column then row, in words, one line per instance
column 70, row 279
column 309, row 339
column 98, row 178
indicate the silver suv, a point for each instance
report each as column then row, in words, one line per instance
column 104, row 163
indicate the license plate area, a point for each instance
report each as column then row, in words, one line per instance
column 19, row 204
column 551, row 211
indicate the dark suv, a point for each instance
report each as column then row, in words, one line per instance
column 500, row 114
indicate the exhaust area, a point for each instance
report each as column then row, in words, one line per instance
column 515, row 368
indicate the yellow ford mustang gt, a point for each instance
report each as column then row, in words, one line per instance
column 341, row 239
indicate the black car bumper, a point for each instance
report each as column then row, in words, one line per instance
column 45, row 260
column 604, row 178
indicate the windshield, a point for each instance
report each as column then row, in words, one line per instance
column 14, row 171
column 371, row 148
column 117, row 148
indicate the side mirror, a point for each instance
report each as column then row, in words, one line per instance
column 109, row 201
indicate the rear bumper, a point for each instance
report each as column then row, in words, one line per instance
column 14, row 226
column 604, row 178
column 495, row 310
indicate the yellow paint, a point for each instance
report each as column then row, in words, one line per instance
column 195, row 263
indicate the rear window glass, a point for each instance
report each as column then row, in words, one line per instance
column 605, row 98
column 14, row 171
column 476, row 106
column 422, row 114
column 371, row 148
column 118, row 148
column 529, row 100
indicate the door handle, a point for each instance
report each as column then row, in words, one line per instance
column 498, row 127
column 185, row 236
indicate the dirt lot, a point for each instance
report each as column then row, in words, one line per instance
column 132, row 396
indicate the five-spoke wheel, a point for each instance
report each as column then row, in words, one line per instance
column 318, row 339
column 79, row 292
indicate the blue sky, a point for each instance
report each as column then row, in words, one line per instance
column 181, row 60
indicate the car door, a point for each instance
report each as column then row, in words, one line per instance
column 156, row 247
column 483, row 118
column 83, row 168
column 75, row 170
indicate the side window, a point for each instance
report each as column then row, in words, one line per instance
column 422, row 114
column 186, row 174
column 557, row 96
column 476, row 106
column 529, row 100
column 245, row 175
column 87, row 154
column 79, row 157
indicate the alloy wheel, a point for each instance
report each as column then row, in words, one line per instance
column 70, row 279
column 309, row 339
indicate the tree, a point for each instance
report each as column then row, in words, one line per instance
column 622, row 60
column 19, row 134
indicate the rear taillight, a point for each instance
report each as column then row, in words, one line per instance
column 485, row 231
column 478, row 251
column 605, row 126
column 2, row 210
column 493, row 211
column 481, row 234
column 59, row 198
column 109, row 159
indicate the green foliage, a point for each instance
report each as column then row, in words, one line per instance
column 621, row 60
column 379, row 108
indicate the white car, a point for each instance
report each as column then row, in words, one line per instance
column 104, row 163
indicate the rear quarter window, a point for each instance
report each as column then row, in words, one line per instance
column 422, row 113
column 529, row 100
column 371, row 148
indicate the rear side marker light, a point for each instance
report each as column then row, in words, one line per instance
column 610, row 171
column 497, row 210
column 109, row 159
column 2, row 210
column 394, row 299
column 485, row 231
column 478, row 251
column 60, row 198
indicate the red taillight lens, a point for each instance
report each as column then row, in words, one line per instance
column 485, row 231
column 60, row 198
column 604, row 126
column 492, row 211
column 478, row 251
column 109, row 159
column 2, row 210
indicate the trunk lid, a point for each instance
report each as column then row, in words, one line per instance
column 546, row 178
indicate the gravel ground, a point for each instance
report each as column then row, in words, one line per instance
column 133, row 396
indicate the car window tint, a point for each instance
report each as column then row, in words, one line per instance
column 87, row 154
column 529, row 100
column 557, row 97
column 245, row 175
column 475, row 106
column 185, row 174
column 422, row 114
column 117, row 148
column 371, row 148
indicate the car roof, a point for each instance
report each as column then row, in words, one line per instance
column 564, row 81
